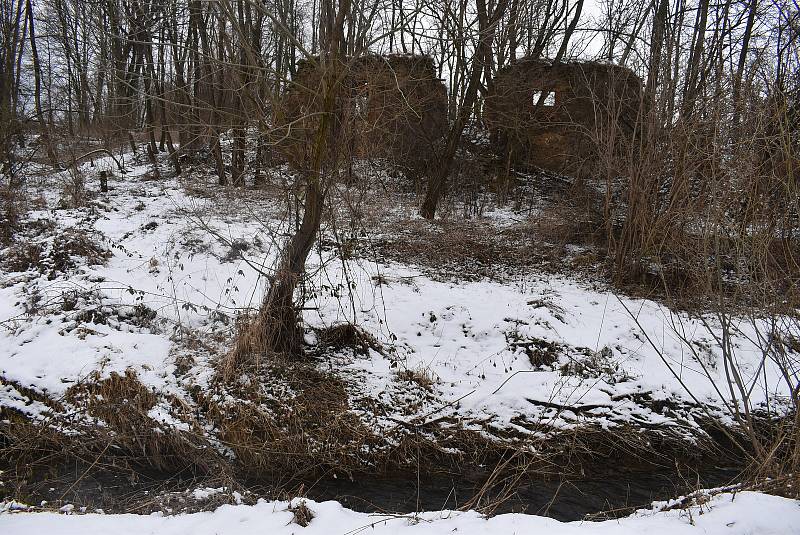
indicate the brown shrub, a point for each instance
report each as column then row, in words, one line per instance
column 12, row 207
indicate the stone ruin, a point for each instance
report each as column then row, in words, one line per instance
column 391, row 106
column 557, row 115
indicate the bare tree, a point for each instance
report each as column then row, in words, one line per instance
column 487, row 24
column 275, row 329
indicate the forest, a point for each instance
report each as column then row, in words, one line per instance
column 428, row 265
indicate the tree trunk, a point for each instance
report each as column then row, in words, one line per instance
column 737, row 79
column 693, row 72
column 438, row 180
column 37, row 95
column 276, row 328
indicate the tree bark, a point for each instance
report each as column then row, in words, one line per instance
column 737, row 79
column 37, row 95
column 693, row 72
column 276, row 329
column 438, row 180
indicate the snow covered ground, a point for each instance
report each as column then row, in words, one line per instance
column 745, row 513
column 537, row 350
column 173, row 265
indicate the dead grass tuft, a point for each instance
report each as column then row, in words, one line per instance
column 302, row 514
column 273, row 334
column 346, row 336
column 423, row 378
column 121, row 400
column 123, row 404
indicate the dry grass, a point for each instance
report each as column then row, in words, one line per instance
column 422, row 377
column 463, row 249
column 121, row 400
column 292, row 418
column 302, row 515
column 56, row 256
column 272, row 334
column 122, row 403
column 346, row 336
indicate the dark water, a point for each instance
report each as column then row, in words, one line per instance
column 563, row 499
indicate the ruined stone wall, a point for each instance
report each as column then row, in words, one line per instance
column 583, row 102
column 390, row 107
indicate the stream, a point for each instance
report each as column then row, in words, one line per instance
column 617, row 493
column 561, row 499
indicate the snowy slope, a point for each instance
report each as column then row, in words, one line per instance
column 516, row 354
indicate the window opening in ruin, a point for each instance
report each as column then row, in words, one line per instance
column 549, row 98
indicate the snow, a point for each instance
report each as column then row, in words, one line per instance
column 745, row 513
column 606, row 358
column 205, row 493
column 202, row 494
column 174, row 253
column 51, row 361
column 459, row 333
column 161, row 414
